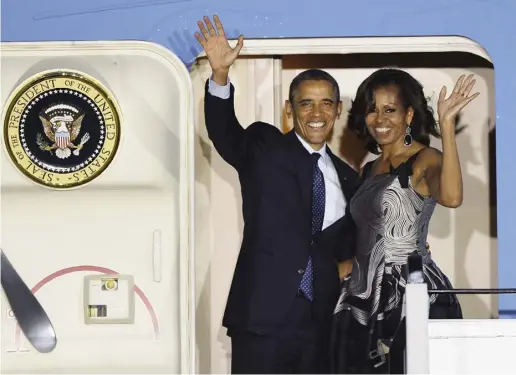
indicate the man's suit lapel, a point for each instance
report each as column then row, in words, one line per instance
column 342, row 171
column 302, row 169
column 331, row 236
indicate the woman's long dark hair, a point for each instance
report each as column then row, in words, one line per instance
column 411, row 95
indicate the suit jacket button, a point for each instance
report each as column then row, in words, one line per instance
column 312, row 242
column 300, row 271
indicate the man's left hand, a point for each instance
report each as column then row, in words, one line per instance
column 345, row 269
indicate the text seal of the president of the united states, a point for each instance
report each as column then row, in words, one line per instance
column 62, row 128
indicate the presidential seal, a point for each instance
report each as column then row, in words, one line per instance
column 61, row 129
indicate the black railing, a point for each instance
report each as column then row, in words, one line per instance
column 415, row 265
column 472, row 291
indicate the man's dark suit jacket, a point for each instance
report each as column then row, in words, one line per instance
column 275, row 173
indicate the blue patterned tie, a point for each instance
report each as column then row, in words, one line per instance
column 318, row 204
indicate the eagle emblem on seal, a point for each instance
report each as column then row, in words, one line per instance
column 61, row 126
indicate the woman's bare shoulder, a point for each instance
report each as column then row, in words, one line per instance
column 428, row 157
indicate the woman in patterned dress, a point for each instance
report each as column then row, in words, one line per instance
column 391, row 210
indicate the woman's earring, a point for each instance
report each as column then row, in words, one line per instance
column 407, row 141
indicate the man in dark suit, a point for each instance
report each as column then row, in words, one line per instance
column 294, row 193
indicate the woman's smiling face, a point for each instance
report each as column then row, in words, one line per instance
column 388, row 120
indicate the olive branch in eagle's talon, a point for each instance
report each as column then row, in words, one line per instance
column 44, row 145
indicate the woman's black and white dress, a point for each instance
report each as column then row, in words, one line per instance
column 391, row 221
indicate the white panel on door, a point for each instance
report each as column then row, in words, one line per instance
column 134, row 219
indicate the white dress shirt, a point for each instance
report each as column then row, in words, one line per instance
column 335, row 202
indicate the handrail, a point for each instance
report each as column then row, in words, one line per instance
column 473, row 291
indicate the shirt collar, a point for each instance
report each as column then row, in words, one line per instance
column 322, row 151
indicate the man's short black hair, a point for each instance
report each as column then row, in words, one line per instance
column 313, row 75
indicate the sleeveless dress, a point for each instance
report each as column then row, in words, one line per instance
column 391, row 221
